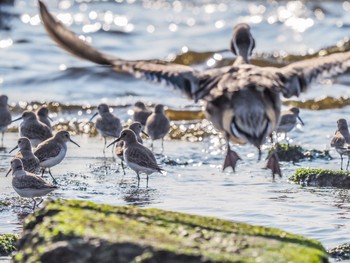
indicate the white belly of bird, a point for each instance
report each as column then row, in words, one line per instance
column 30, row 192
column 52, row 161
column 139, row 168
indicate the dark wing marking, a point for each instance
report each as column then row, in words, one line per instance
column 181, row 77
column 70, row 41
column 298, row 75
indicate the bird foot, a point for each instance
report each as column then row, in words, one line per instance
column 231, row 159
column 273, row 164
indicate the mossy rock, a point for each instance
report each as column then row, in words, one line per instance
column 341, row 252
column 321, row 178
column 81, row 231
column 7, row 244
column 295, row 153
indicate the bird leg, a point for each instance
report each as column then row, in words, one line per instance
column 341, row 162
column 231, row 158
column 147, row 182
column 122, row 165
column 347, row 165
column 273, row 164
column 2, row 139
column 43, row 171
column 104, row 146
column 34, row 203
column 41, row 200
column 53, row 178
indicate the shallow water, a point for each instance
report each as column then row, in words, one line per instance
column 33, row 68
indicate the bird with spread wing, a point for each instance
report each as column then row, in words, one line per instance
column 243, row 101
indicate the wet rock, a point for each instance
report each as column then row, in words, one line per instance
column 321, row 178
column 295, row 153
column 341, row 252
column 80, row 231
column 7, row 244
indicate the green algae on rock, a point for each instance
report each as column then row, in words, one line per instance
column 295, row 153
column 321, row 178
column 81, row 231
column 7, row 244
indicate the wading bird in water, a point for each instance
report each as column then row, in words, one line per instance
column 243, row 101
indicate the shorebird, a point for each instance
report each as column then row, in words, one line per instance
column 288, row 120
column 30, row 162
column 136, row 127
column 43, row 116
column 341, row 141
column 33, row 129
column 107, row 124
column 27, row 184
column 141, row 113
column 243, row 101
column 5, row 116
column 157, row 124
column 138, row 157
column 52, row 151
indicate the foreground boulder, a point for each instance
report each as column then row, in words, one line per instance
column 79, row 231
column 321, row 178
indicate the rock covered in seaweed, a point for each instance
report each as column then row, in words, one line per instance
column 295, row 153
column 80, row 231
column 321, row 178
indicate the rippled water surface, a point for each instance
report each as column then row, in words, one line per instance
column 33, row 68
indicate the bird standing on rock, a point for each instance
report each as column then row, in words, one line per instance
column 243, row 101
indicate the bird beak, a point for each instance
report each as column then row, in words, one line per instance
column 93, row 116
column 17, row 119
column 14, row 149
column 74, row 142
column 9, row 171
column 112, row 143
column 144, row 133
column 49, row 118
column 302, row 123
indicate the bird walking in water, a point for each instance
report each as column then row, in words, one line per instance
column 141, row 113
column 5, row 117
column 43, row 116
column 138, row 157
column 52, row 151
column 341, row 141
column 107, row 124
column 27, row 184
column 157, row 125
column 288, row 121
column 30, row 162
column 136, row 127
column 243, row 101
column 33, row 129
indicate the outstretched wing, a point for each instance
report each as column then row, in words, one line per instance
column 181, row 77
column 298, row 76
column 70, row 41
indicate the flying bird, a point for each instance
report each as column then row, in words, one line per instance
column 243, row 101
